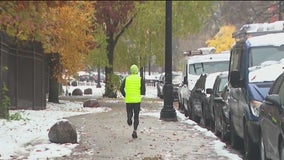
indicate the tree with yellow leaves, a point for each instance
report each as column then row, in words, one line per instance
column 223, row 40
column 67, row 32
column 63, row 27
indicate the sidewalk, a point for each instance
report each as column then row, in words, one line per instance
column 107, row 136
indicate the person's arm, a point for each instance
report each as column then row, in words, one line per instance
column 122, row 87
column 143, row 88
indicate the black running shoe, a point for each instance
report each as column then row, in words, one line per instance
column 134, row 134
column 129, row 122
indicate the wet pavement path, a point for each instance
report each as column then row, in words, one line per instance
column 107, row 136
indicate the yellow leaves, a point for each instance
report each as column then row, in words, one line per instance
column 223, row 39
column 67, row 29
column 63, row 27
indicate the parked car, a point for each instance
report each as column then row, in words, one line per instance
column 251, row 56
column 160, row 85
column 196, row 98
column 194, row 66
column 218, row 103
column 271, row 119
column 176, row 81
column 199, row 99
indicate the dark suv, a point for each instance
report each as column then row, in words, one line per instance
column 218, row 105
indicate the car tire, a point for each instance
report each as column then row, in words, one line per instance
column 205, row 121
column 216, row 132
column 195, row 118
column 250, row 149
column 234, row 138
column 262, row 149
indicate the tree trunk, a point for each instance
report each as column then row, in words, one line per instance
column 110, row 90
column 53, row 94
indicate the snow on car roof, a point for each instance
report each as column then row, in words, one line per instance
column 208, row 58
column 275, row 39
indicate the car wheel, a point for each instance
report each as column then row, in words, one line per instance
column 234, row 138
column 204, row 121
column 216, row 132
column 195, row 118
column 262, row 149
column 249, row 147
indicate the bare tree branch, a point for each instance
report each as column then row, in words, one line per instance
column 124, row 28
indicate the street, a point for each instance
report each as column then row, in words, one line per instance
column 107, row 136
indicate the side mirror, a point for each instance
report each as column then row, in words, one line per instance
column 209, row 91
column 235, row 79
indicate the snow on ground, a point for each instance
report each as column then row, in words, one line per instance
column 218, row 145
column 35, row 125
column 29, row 136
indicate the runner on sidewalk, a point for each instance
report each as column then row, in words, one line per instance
column 132, row 87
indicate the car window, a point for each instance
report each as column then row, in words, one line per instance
column 260, row 55
column 208, row 67
column 276, row 85
column 223, row 83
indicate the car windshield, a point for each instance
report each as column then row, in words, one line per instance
column 265, row 63
column 208, row 67
column 263, row 56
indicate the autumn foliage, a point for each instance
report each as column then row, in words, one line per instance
column 223, row 40
column 62, row 27
column 67, row 32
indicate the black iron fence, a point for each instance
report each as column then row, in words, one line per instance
column 26, row 75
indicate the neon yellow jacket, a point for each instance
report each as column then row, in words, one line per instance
column 133, row 89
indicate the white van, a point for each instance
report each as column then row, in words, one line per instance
column 196, row 65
